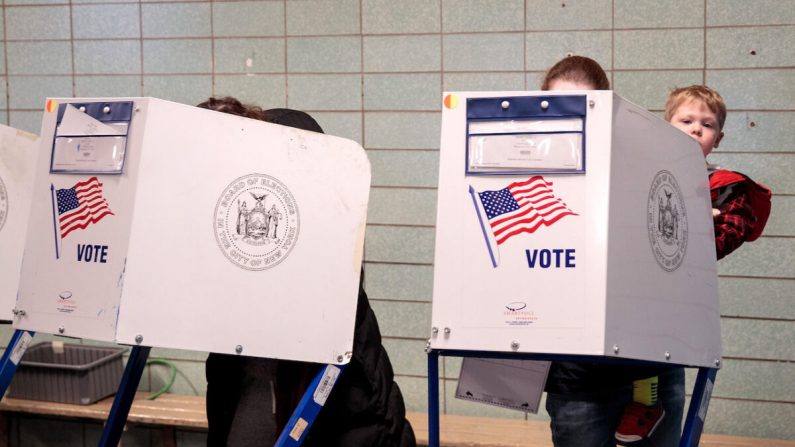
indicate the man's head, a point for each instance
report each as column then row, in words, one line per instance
column 698, row 111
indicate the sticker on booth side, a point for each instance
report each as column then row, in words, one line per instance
column 451, row 101
column 51, row 105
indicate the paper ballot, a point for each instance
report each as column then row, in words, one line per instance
column 77, row 123
column 515, row 384
column 85, row 144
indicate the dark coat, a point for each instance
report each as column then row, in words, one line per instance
column 365, row 407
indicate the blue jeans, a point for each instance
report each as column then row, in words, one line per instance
column 593, row 422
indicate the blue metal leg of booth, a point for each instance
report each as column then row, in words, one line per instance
column 8, row 363
column 309, row 407
column 111, row 433
column 433, row 398
column 699, row 402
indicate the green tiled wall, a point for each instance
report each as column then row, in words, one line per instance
column 374, row 71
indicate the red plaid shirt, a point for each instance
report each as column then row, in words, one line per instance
column 733, row 224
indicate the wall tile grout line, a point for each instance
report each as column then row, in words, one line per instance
column 142, row 47
column 286, row 57
column 72, row 48
column 7, row 108
column 704, row 48
column 212, row 49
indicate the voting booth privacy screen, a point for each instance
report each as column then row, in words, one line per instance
column 18, row 150
column 572, row 223
column 167, row 225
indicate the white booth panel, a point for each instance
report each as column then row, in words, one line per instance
column 227, row 235
column 662, row 276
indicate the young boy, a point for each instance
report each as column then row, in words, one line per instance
column 740, row 208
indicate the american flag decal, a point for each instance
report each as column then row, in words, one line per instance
column 81, row 206
column 522, row 207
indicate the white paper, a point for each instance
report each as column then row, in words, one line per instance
column 76, row 123
column 84, row 144
column 515, row 384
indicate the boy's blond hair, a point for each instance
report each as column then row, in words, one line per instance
column 700, row 93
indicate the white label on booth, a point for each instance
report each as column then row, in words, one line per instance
column 298, row 429
column 21, row 347
column 326, row 384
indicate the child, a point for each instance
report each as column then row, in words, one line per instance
column 740, row 211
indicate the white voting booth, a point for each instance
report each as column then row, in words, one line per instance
column 18, row 150
column 572, row 224
column 165, row 225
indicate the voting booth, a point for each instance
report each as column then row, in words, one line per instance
column 165, row 225
column 18, row 150
column 570, row 224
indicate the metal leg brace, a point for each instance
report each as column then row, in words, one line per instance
column 111, row 433
column 8, row 363
column 699, row 402
column 309, row 407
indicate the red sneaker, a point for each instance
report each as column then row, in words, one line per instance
column 638, row 422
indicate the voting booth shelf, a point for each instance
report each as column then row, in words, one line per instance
column 570, row 225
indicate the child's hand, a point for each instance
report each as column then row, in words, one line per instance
column 715, row 212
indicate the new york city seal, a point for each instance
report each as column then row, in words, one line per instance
column 666, row 220
column 256, row 222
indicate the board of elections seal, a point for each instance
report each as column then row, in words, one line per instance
column 256, row 222
column 3, row 204
column 666, row 221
